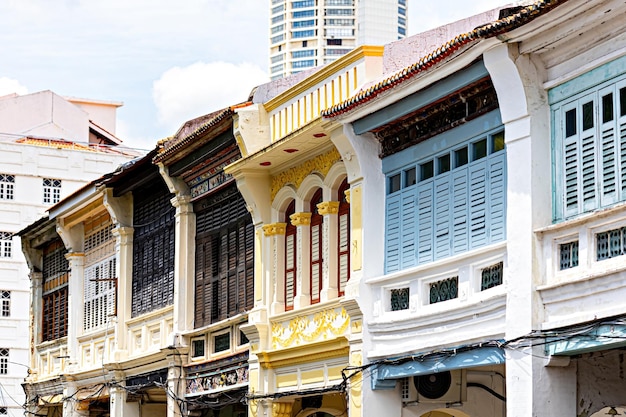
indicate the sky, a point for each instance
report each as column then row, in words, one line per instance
column 167, row 61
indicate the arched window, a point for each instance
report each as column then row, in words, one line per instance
column 290, row 257
column 343, row 237
column 317, row 221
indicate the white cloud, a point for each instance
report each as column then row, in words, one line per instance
column 184, row 93
column 9, row 85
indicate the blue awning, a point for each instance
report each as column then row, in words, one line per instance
column 384, row 376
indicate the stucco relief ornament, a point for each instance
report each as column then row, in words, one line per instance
column 321, row 163
column 323, row 325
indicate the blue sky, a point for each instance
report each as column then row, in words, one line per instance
column 166, row 61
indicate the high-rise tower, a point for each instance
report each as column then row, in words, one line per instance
column 308, row 33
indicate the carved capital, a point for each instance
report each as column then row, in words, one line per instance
column 282, row 409
column 274, row 229
column 300, row 219
column 328, row 207
column 347, row 194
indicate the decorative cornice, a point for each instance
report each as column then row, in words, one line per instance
column 300, row 219
column 328, row 207
column 274, row 229
column 321, row 164
column 327, row 349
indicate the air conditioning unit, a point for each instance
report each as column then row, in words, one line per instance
column 442, row 387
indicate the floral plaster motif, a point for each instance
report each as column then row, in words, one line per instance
column 323, row 325
column 321, row 163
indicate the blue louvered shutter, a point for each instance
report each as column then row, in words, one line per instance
column 588, row 157
column 392, row 233
column 497, row 197
column 442, row 216
column 478, row 204
column 609, row 149
column 460, row 211
column 571, row 160
column 620, row 113
column 425, row 222
column 408, row 219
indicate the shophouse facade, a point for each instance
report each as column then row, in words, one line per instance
column 494, row 217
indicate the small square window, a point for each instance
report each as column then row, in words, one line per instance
column 221, row 342
column 497, row 142
column 5, row 307
column 570, row 123
column 197, row 348
column 479, row 149
column 460, row 157
column 243, row 339
column 410, row 177
column 394, row 184
column 426, row 170
column 588, row 115
column 443, row 164
column 607, row 108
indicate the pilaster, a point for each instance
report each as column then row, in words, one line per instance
column 184, row 261
column 274, row 258
column 75, row 305
column 302, row 221
column 124, row 249
column 329, row 209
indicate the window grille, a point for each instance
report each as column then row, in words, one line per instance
column 399, row 299
column 344, row 238
column 444, row 290
column 221, row 342
column 7, row 186
column 224, row 283
column 568, row 255
column 4, row 361
column 491, row 276
column 153, row 250
column 610, row 244
column 100, row 274
column 55, row 278
column 5, row 297
column 6, row 242
column 51, row 191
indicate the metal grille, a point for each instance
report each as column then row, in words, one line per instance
column 5, row 297
column 399, row 299
column 443, row 290
column 4, row 361
column 7, row 184
column 491, row 276
column 153, row 250
column 51, row 191
column 568, row 255
column 54, row 300
column 6, row 240
column 100, row 276
column 610, row 243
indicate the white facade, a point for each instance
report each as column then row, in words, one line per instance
column 308, row 33
column 44, row 156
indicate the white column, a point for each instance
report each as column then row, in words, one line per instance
column 71, row 406
column 274, row 266
column 118, row 406
column 75, row 306
column 184, row 262
column 330, row 290
column 124, row 250
column 302, row 221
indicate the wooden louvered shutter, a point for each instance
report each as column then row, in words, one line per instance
column 290, row 258
column 316, row 247
column 249, row 267
column 343, row 236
